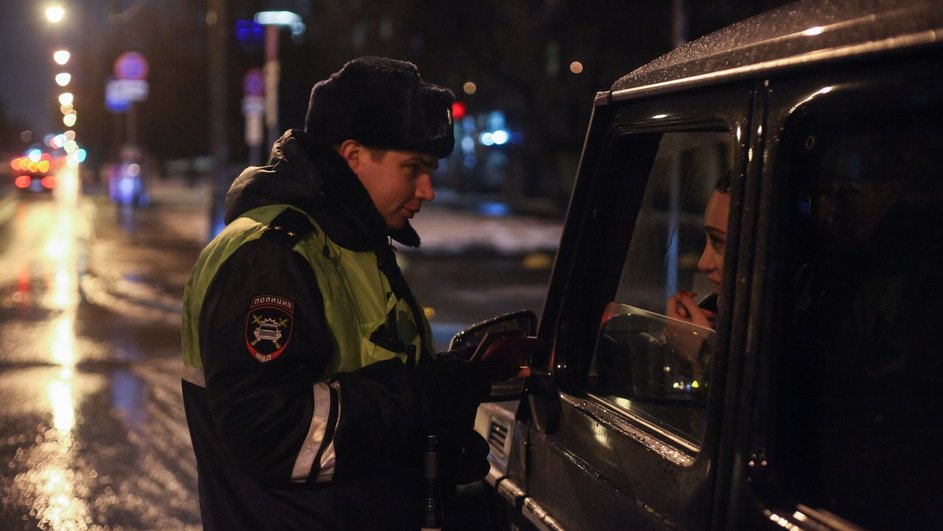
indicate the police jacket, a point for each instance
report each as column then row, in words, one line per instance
column 298, row 332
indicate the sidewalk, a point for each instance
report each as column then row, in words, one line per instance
column 453, row 228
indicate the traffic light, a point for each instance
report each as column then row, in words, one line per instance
column 458, row 110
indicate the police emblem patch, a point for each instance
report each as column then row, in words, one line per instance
column 268, row 326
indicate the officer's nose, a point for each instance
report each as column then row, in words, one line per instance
column 424, row 188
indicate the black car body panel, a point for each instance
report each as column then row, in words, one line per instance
column 794, row 35
column 807, row 404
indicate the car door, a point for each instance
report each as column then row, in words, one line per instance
column 639, row 431
column 849, row 363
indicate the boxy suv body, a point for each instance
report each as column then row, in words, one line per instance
column 808, row 401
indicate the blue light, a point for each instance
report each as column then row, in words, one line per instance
column 468, row 124
column 468, row 145
column 500, row 137
column 494, row 209
column 249, row 30
column 242, row 31
column 126, row 186
column 496, row 120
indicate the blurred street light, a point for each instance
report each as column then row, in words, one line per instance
column 55, row 13
column 274, row 19
column 67, row 186
column 61, row 57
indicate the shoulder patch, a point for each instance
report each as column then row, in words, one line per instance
column 289, row 227
column 269, row 324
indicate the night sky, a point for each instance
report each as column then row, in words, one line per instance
column 27, row 89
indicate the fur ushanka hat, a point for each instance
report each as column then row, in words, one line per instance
column 383, row 104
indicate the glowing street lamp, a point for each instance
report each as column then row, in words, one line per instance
column 67, row 188
column 274, row 19
column 61, row 57
column 55, row 14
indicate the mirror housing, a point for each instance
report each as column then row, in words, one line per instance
column 470, row 343
column 650, row 358
column 507, row 347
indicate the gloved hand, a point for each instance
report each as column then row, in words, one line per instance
column 463, row 457
column 449, row 391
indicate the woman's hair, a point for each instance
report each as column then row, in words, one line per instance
column 723, row 184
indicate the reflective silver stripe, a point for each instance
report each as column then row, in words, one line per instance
column 328, row 457
column 315, row 438
column 193, row 375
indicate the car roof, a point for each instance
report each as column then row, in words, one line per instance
column 794, row 34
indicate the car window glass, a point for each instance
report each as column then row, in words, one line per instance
column 859, row 376
column 646, row 362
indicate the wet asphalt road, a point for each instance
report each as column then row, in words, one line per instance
column 92, row 436
column 92, row 432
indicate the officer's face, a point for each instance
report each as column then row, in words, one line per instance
column 398, row 181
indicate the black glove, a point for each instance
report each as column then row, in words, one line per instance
column 463, row 457
column 449, row 391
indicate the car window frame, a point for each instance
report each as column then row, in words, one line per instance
column 566, row 321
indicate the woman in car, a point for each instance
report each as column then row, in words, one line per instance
column 682, row 306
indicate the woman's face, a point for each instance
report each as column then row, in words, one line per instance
column 715, row 229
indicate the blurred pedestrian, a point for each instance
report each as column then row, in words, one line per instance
column 310, row 373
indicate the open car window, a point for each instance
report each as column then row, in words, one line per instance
column 653, row 365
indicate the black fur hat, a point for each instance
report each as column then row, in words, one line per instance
column 384, row 104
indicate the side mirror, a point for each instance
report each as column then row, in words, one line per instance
column 471, row 343
column 507, row 347
column 649, row 358
column 510, row 362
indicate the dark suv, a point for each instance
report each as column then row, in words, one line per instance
column 741, row 328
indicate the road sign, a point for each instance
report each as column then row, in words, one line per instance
column 253, row 84
column 121, row 93
column 126, row 89
column 131, row 65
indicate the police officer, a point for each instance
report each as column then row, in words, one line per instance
column 310, row 375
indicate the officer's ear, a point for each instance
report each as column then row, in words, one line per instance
column 352, row 151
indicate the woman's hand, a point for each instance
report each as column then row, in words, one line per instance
column 683, row 307
column 688, row 346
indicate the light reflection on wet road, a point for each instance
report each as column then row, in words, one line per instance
column 92, row 434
